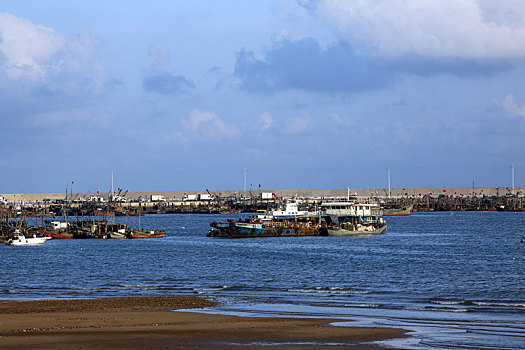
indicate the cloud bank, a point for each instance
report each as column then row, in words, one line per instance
column 207, row 126
column 40, row 69
column 158, row 77
column 447, row 29
column 304, row 65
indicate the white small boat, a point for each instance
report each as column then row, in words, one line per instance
column 20, row 239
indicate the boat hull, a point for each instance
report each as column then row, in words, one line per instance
column 147, row 234
column 55, row 234
column 116, row 235
column 398, row 212
column 19, row 241
column 341, row 232
column 255, row 230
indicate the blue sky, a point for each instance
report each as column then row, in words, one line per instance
column 183, row 95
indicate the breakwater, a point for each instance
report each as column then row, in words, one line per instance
column 225, row 204
column 304, row 193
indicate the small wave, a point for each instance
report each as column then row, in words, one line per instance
column 9, row 291
column 476, row 303
column 327, row 291
column 447, row 302
column 207, row 289
column 219, row 288
column 427, row 308
column 139, row 285
column 329, row 288
column 371, row 306
column 483, row 303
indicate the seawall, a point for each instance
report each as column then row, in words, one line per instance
column 371, row 192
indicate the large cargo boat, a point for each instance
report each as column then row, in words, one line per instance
column 301, row 226
column 289, row 222
column 336, row 218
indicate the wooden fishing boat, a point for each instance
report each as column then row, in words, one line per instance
column 398, row 211
column 58, row 230
column 146, row 233
column 352, row 218
column 306, row 225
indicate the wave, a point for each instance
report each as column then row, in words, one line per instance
column 328, row 291
column 371, row 306
column 219, row 288
column 478, row 303
column 483, row 303
column 429, row 308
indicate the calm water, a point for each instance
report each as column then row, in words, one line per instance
column 456, row 280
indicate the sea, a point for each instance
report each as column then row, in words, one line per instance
column 455, row 280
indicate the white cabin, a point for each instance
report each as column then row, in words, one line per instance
column 342, row 209
column 58, row 225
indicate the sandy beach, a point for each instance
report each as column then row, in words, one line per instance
column 150, row 323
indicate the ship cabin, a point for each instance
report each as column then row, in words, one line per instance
column 352, row 211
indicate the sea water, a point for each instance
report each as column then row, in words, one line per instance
column 456, row 280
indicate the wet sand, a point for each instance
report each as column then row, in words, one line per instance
column 149, row 323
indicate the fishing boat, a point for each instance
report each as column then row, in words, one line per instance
column 300, row 226
column 20, row 240
column 58, row 230
column 118, row 231
column 398, row 211
column 351, row 218
column 146, row 234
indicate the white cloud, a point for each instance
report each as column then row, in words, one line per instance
column 512, row 109
column 208, row 126
column 161, row 58
column 29, row 49
column 298, row 125
column 338, row 124
column 36, row 55
column 265, row 121
column 446, row 29
column 284, row 35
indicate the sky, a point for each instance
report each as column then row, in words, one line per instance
column 303, row 94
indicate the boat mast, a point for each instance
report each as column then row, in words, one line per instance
column 388, row 170
column 66, row 206
column 112, row 205
column 140, row 212
column 111, row 185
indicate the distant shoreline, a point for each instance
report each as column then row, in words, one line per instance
column 375, row 192
column 148, row 322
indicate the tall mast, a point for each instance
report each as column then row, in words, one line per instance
column 389, row 192
column 245, row 183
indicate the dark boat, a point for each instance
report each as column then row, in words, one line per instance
column 298, row 227
column 398, row 211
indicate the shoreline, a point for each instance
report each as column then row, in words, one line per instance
column 150, row 322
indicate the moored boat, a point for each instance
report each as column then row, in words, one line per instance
column 349, row 229
column 20, row 240
column 351, row 218
column 146, row 233
column 300, row 226
column 398, row 211
column 58, row 230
